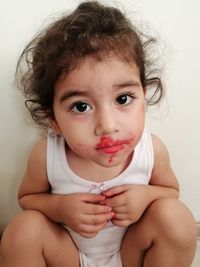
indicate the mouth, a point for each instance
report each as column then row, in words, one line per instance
column 111, row 149
column 110, row 146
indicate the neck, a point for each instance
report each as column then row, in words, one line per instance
column 92, row 171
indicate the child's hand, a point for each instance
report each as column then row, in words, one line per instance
column 128, row 203
column 83, row 213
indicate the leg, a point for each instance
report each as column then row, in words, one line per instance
column 164, row 237
column 33, row 240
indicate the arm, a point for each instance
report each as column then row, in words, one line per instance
column 163, row 182
column 130, row 201
column 34, row 191
column 81, row 212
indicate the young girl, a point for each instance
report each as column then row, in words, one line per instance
column 99, row 189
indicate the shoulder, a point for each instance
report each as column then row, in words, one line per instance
column 159, row 148
column 35, row 178
column 162, row 171
column 37, row 156
column 39, row 147
column 161, row 154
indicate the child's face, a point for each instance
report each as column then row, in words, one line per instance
column 99, row 109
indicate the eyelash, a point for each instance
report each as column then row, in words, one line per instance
column 75, row 105
column 83, row 103
column 131, row 95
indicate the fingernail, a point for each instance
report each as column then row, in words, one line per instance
column 109, row 208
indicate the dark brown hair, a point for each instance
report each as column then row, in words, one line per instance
column 92, row 29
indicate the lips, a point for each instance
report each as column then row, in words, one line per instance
column 109, row 146
column 112, row 149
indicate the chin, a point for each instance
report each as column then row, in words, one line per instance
column 113, row 161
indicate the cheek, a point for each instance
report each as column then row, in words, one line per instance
column 79, row 148
column 140, row 113
column 143, row 109
column 137, row 117
column 141, row 106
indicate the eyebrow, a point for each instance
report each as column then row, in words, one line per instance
column 72, row 93
column 75, row 92
column 127, row 84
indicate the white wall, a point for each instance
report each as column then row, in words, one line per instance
column 177, row 122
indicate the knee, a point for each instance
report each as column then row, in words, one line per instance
column 173, row 221
column 24, row 229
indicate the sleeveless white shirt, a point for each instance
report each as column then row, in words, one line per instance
column 104, row 248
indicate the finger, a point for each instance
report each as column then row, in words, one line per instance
column 121, row 223
column 92, row 198
column 121, row 209
column 94, row 209
column 91, row 230
column 116, row 201
column 121, row 217
column 97, row 219
column 115, row 191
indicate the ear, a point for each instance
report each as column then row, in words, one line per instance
column 54, row 125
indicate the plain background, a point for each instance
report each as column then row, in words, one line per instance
column 176, row 122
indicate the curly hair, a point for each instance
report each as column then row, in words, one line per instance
column 92, row 29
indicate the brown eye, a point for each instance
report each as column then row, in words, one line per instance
column 124, row 99
column 81, row 107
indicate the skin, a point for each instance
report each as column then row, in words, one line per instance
column 99, row 99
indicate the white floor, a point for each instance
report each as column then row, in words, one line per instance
column 196, row 262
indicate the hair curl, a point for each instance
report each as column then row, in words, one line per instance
column 92, row 29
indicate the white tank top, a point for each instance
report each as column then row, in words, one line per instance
column 103, row 249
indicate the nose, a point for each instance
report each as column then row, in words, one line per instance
column 106, row 123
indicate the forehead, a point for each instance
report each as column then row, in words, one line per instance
column 93, row 72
